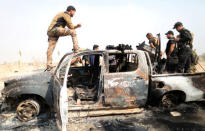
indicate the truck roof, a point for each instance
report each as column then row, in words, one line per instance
column 108, row 51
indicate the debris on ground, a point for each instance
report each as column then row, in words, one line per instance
column 175, row 113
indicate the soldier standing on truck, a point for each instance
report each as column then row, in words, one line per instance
column 94, row 59
column 57, row 29
column 172, row 53
column 184, row 46
column 153, row 41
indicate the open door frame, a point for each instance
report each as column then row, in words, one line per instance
column 62, row 111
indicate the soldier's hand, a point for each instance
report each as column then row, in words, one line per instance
column 176, row 39
column 161, row 53
column 168, row 56
column 78, row 25
column 78, row 59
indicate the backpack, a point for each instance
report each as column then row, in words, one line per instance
column 194, row 57
column 192, row 39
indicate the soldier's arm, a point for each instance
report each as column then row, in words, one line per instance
column 185, row 37
column 171, row 49
column 76, row 60
column 69, row 22
column 67, row 18
column 152, row 45
column 77, row 26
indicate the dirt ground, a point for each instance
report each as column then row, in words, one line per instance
column 185, row 117
column 201, row 66
column 14, row 69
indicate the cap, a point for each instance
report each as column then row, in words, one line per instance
column 149, row 34
column 177, row 25
column 170, row 32
column 95, row 46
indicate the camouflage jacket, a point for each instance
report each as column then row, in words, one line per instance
column 61, row 20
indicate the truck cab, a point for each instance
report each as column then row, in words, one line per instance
column 96, row 83
column 119, row 80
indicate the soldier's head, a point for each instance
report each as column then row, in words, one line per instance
column 149, row 36
column 178, row 26
column 95, row 47
column 170, row 34
column 71, row 10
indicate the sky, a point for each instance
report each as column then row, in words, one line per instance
column 24, row 24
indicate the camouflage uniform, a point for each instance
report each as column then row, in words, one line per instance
column 57, row 29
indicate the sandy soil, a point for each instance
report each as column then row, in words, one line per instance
column 13, row 69
column 201, row 66
column 191, row 118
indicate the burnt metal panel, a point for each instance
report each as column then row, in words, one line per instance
column 125, row 90
column 193, row 85
column 128, row 89
column 37, row 84
column 199, row 81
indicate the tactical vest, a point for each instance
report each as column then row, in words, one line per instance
column 156, row 42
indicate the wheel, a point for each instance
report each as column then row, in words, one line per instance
column 28, row 110
column 168, row 100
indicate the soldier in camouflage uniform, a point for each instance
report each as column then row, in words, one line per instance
column 57, row 29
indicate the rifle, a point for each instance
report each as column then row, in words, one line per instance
column 158, row 49
column 159, row 63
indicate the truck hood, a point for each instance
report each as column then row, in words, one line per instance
column 34, row 78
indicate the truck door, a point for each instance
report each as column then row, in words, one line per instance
column 127, row 86
column 60, row 92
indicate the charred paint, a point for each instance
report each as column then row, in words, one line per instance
column 36, row 84
column 191, row 84
column 142, row 74
column 127, row 89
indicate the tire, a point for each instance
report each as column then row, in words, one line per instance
column 28, row 110
column 168, row 101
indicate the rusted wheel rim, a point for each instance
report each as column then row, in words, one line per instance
column 28, row 110
column 168, row 100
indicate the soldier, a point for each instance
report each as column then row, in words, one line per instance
column 184, row 48
column 153, row 41
column 172, row 53
column 77, row 62
column 57, row 29
column 94, row 59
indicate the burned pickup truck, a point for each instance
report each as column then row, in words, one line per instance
column 115, row 81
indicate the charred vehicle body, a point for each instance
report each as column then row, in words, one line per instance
column 119, row 81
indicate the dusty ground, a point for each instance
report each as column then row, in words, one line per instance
column 201, row 66
column 189, row 117
column 13, row 69
column 185, row 117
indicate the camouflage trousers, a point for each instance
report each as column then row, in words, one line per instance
column 53, row 37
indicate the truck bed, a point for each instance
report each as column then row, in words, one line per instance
column 193, row 85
